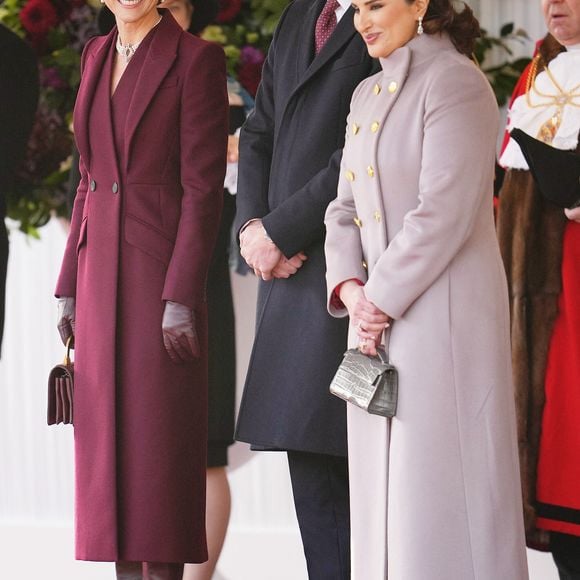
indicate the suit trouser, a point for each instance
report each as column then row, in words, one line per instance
column 320, row 488
column 566, row 553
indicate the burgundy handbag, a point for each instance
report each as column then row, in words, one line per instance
column 60, row 391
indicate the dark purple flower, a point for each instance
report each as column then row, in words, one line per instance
column 251, row 55
column 50, row 77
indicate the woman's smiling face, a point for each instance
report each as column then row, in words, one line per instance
column 132, row 12
column 386, row 25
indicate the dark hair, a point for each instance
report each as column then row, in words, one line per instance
column 204, row 13
column 462, row 26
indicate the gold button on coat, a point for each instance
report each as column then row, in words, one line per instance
column 370, row 171
column 365, row 265
column 350, row 175
column 375, row 126
column 355, row 129
column 377, row 89
column 377, row 216
column 393, row 86
column 358, row 222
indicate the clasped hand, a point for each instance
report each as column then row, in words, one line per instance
column 264, row 257
column 370, row 322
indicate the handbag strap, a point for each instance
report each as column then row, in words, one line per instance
column 385, row 343
column 69, row 346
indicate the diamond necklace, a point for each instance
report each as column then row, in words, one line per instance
column 128, row 50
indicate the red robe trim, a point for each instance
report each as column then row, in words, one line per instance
column 558, row 486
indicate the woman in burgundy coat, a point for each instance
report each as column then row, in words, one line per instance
column 151, row 126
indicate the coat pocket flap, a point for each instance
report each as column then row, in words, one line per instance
column 148, row 239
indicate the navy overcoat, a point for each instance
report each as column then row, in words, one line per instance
column 289, row 161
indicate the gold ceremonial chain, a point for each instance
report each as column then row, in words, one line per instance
column 562, row 98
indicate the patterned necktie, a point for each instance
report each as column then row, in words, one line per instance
column 325, row 24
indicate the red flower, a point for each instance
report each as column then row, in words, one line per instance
column 38, row 17
column 228, row 10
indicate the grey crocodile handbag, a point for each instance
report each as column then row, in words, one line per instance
column 369, row 382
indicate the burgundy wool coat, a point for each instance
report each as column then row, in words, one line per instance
column 143, row 229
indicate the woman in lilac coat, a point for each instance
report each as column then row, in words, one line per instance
column 435, row 491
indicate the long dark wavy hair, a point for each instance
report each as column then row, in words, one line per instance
column 462, row 26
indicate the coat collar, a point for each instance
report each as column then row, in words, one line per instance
column 418, row 50
column 158, row 61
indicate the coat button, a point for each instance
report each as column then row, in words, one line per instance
column 370, row 171
column 355, row 129
column 365, row 265
column 393, row 86
column 377, row 216
column 350, row 176
column 357, row 221
column 377, row 89
column 375, row 126
column 93, row 185
column 115, row 187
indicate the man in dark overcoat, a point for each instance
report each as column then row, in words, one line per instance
column 18, row 97
column 290, row 153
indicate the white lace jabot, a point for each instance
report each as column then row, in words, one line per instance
column 530, row 112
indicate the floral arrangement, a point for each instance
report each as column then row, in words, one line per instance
column 57, row 31
column 244, row 28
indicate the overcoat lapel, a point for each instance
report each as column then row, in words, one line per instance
column 92, row 73
column 306, row 42
column 342, row 34
column 159, row 60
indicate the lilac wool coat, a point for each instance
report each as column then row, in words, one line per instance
column 143, row 228
column 435, row 491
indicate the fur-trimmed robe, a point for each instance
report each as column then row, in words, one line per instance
column 530, row 232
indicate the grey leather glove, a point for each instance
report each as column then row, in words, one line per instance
column 66, row 318
column 179, row 335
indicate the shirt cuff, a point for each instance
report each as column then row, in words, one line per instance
column 335, row 300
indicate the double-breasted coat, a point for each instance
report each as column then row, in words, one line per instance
column 290, row 151
column 143, row 228
column 435, row 491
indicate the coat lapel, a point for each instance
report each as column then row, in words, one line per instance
column 342, row 34
column 92, row 74
column 159, row 60
column 306, row 43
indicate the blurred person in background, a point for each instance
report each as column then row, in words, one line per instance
column 18, row 97
column 540, row 244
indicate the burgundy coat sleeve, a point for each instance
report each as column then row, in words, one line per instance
column 203, row 140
